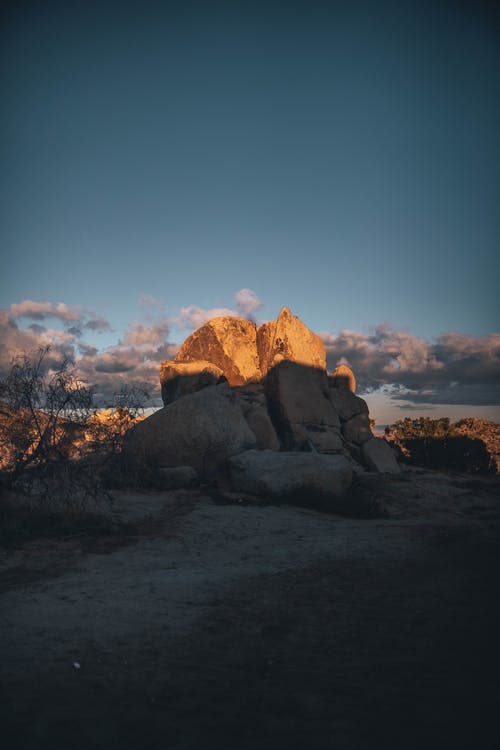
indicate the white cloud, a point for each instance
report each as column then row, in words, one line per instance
column 247, row 302
column 193, row 317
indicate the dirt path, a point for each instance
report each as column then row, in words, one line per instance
column 240, row 626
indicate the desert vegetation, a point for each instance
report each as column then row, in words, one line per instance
column 57, row 447
column 468, row 445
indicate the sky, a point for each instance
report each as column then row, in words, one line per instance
column 166, row 162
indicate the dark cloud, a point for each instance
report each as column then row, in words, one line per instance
column 41, row 310
column 454, row 368
column 98, row 324
column 87, row 350
column 110, row 364
column 71, row 315
column 74, row 331
column 477, row 394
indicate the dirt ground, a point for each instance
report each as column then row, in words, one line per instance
column 201, row 624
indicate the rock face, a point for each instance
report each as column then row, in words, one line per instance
column 301, row 410
column 201, row 430
column 357, row 429
column 178, row 379
column 288, row 338
column 304, row 478
column 345, row 403
column 379, row 456
column 245, row 353
column 352, row 410
column 228, row 343
column 254, row 403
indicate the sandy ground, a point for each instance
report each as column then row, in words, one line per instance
column 209, row 625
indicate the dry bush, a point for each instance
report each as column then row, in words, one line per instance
column 55, row 444
column 439, row 444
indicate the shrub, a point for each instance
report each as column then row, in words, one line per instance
column 437, row 444
column 54, row 442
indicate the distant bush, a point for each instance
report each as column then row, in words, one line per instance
column 439, row 444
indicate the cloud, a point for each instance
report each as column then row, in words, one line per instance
column 193, row 317
column 42, row 310
column 97, row 323
column 147, row 302
column 247, row 302
column 68, row 314
column 147, row 336
column 453, row 368
column 15, row 341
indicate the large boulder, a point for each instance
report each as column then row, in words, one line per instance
column 345, row 403
column 357, row 430
column 303, row 478
column 201, row 430
column 379, row 457
column 230, row 343
column 301, row 410
column 179, row 379
column 288, row 338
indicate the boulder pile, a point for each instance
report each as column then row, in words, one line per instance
column 255, row 408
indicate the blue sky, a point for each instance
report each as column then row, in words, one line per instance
column 342, row 159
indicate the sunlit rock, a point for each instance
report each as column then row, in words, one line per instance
column 289, row 339
column 230, row 343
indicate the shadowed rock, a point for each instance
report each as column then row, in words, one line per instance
column 343, row 377
column 300, row 408
column 254, row 404
column 302, row 478
column 357, row 429
column 379, row 456
column 201, row 430
column 179, row 379
column 345, row 403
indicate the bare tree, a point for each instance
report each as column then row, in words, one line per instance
column 42, row 412
column 54, row 442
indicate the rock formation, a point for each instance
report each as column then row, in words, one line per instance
column 245, row 353
column 201, row 430
column 288, row 338
column 178, row 379
column 228, row 343
column 257, row 405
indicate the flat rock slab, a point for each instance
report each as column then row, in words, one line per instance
column 309, row 479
